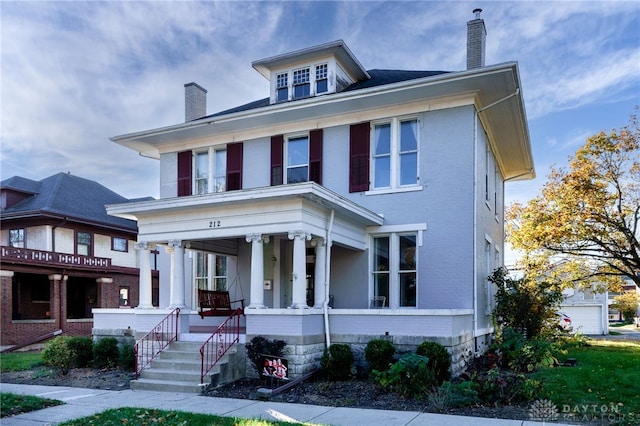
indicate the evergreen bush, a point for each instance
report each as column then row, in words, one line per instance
column 57, row 353
column 106, row 353
column 82, row 349
column 127, row 358
column 379, row 354
column 336, row 362
column 439, row 359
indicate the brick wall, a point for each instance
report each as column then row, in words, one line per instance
column 14, row 332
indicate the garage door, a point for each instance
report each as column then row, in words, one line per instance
column 586, row 319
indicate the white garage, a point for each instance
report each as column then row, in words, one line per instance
column 588, row 318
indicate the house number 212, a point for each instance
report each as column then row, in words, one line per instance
column 214, row 224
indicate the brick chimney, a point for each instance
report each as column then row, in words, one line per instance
column 195, row 102
column 476, row 41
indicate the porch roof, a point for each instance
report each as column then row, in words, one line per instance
column 235, row 214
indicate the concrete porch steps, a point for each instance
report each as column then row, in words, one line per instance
column 177, row 369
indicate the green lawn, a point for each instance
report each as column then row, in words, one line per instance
column 604, row 385
column 18, row 361
column 142, row 416
column 11, row 404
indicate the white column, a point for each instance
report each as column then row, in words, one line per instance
column 144, row 256
column 257, row 270
column 320, row 271
column 176, row 293
column 299, row 293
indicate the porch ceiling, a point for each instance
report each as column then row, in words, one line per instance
column 235, row 214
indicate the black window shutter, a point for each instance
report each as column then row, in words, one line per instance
column 234, row 166
column 315, row 156
column 359, row 157
column 184, row 173
column 277, row 143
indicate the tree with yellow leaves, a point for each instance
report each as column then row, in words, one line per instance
column 584, row 226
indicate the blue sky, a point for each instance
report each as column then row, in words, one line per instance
column 74, row 74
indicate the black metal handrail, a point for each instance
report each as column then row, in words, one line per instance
column 214, row 348
column 158, row 338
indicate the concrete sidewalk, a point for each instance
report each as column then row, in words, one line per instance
column 81, row 402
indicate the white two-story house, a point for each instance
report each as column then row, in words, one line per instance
column 349, row 204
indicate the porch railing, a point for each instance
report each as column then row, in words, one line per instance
column 50, row 258
column 151, row 344
column 227, row 335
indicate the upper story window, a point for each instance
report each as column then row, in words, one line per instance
column 282, row 87
column 297, row 159
column 16, row 238
column 205, row 167
column 395, row 153
column 83, row 243
column 301, row 83
column 119, row 244
column 322, row 84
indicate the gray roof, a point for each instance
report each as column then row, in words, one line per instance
column 64, row 195
column 377, row 78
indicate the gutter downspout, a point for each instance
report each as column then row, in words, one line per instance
column 476, row 117
column 327, row 262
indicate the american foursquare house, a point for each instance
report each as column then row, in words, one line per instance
column 347, row 205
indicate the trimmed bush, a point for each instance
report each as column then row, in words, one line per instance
column 57, row 353
column 379, row 354
column 439, row 359
column 106, row 353
column 336, row 362
column 127, row 358
column 410, row 377
column 82, row 348
column 259, row 346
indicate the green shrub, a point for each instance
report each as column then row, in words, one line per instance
column 379, row 354
column 259, row 346
column 439, row 359
column 57, row 353
column 127, row 358
column 452, row 395
column 522, row 355
column 504, row 387
column 409, row 377
column 106, row 353
column 336, row 362
column 82, row 348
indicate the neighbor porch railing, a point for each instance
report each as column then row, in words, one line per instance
column 227, row 335
column 158, row 338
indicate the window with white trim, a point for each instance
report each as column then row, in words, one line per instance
column 210, row 271
column 394, row 269
column 282, row 87
column 322, row 83
column 83, row 243
column 395, row 153
column 301, row 83
column 212, row 162
column 297, row 155
column 119, row 244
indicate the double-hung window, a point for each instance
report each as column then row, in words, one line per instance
column 394, row 269
column 301, row 83
column 298, row 159
column 210, row 163
column 322, row 83
column 282, row 87
column 83, row 243
column 16, row 238
column 211, row 271
column 395, row 153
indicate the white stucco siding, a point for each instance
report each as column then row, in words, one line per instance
column 256, row 163
column 168, row 175
column 64, row 240
column 37, row 238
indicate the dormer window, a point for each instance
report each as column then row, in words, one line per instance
column 282, row 87
column 301, row 83
column 322, row 85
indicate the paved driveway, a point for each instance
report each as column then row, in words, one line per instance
column 626, row 332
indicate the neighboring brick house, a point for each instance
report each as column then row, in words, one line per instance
column 348, row 205
column 62, row 256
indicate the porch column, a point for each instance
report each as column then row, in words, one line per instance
column 144, row 256
column 299, row 293
column 257, row 270
column 176, row 289
column 319, row 276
